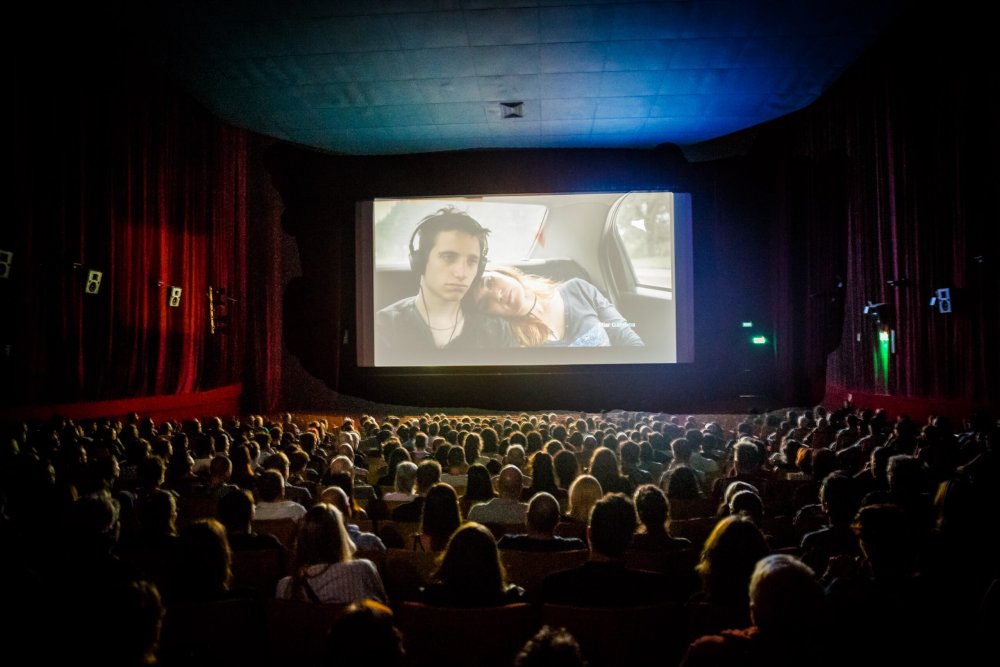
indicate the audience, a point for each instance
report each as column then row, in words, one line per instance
column 890, row 518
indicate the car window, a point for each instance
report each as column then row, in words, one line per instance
column 513, row 227
column 644, row 221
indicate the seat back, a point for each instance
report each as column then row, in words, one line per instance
column 529, row 569
column 216, row 633
column 283, row 529
column 488, row 637
column 258, row 570
column 622, row 635
column 404, row 571
column 296, row 630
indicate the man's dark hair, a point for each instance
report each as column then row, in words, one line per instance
column 612, row 522
column 428, row 474
column 543, row 513
column 446, row 220
column 270, row 485
column 550, row 647
column 236, row 510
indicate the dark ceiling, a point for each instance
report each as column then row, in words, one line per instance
column 394, row 76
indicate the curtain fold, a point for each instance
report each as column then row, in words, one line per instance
column 130, row 178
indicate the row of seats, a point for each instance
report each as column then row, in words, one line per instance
column 255, row 632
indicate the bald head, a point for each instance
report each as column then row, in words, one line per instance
column 510, row 482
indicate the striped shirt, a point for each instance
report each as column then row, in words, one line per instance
column 337, row 583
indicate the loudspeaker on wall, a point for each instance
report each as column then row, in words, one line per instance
column 93, row 285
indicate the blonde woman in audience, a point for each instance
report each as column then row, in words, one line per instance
column 583, row 494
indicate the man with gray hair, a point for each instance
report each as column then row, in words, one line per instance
column 543, row 515
column 507, row 508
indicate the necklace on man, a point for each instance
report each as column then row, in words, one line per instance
column 533, row 304
column 453, row 327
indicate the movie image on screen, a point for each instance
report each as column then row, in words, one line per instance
column 526, row 280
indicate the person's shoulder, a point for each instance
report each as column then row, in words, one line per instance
column 397, row 309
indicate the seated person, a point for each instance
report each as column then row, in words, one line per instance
column 507, row 508
column 783, row 593
column 470, row 574
column 273, row 504
column 604, row 581
column 325, row 570
column 543, row 515
column 654, row 513
column 448, row 253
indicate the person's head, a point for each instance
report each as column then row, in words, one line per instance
column 271, row 486
column 236, row 510
column 652, row 507
column 783, row 592
column 479, row 485
column 441, row 514
column 887, row 538
column 583, row 493
column 205, row 559
column 365, row 634
column 604, row 466
column 516, row 456
column 509, row 293
column 510, row 482
column 543, row 474
column 159, row 513
column 550, row 647
column 566, row 467
column 839, row 498
column 748, row 504
column 471, row 562
column 681, row 449
column 406, row 476
column 543, row 514
column 612, row 522
column 278, row 461
column 728, row 559
column 428, row 474
column 321, row 537
column 135, row 610
column 682, row 483
column 336, row 496
column 746, row 457
column 448, row 251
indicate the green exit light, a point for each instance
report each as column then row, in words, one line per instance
column 747, row 325
column 759, row 340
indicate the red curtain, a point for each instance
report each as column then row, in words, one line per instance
column 914, row 130
column 116, row 171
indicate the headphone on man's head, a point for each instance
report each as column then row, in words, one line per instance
column 446, row 219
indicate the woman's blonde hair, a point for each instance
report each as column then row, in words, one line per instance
column 584, row 493
column 528, row 329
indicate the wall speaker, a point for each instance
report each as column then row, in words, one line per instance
column 93, row 285
column 6, row 259
column 174, row 299
column 942, row 299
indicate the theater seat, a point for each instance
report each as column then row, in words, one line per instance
column 485, row 637
column 650, row 634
